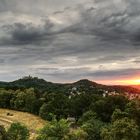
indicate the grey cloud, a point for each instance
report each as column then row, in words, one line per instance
column 105, row 30
column 2, row 61
column 5, row 5
column 63, row 74
column 85, row 72
column 122, row 73
column 71, row 42
column 107, row 26
column 27, row 33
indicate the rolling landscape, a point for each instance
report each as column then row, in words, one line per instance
column 83, row 85
column 34, row 109
column 69, row 69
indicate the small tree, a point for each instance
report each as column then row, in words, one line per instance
column 18, row 131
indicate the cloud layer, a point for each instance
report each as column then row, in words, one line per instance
column 66, row 41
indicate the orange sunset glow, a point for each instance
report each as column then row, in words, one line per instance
column 131, row 81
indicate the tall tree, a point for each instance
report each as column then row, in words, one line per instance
column 55, row 130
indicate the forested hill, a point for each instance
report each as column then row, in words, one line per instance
column 84, row 86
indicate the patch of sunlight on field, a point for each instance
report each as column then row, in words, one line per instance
column 34, row 123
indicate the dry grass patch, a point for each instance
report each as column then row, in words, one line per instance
column 32, row 122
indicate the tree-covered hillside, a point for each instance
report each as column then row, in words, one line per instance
column 76, row 111
column 79, row 86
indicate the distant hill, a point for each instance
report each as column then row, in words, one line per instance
column 84, row 85
column 93, row 85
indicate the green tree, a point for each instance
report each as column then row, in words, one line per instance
column 123, row 129
column 80, row 104
column 3, row 134
column 57, row 105
column 55, row 130
column 89, row 115
column 118, row 114
column 5, row 97
column 19, row 102
column 93, row 128
column 77, row 134
column 18, row 131
column 133, row 109
column 30, row 100
column 106, row 106
column 91, row 125
column 44, row 114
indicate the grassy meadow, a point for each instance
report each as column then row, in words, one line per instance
column 33, row 123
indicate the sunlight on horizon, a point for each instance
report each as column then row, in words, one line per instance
column 131, row 82
column 121, row 82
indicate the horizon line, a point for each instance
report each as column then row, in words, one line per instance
column 74, row 81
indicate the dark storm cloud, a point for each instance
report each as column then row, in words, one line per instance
column 20, row 33
column 70, row 39
column 135, row 38
column 107, row 28
column 110, row 26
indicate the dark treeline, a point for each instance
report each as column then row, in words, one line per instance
column 59, row 104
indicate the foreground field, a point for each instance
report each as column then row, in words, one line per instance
column 33, row 122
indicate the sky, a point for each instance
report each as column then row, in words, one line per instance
column 68, row 40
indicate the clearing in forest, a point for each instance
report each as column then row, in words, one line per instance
column 32, row 122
